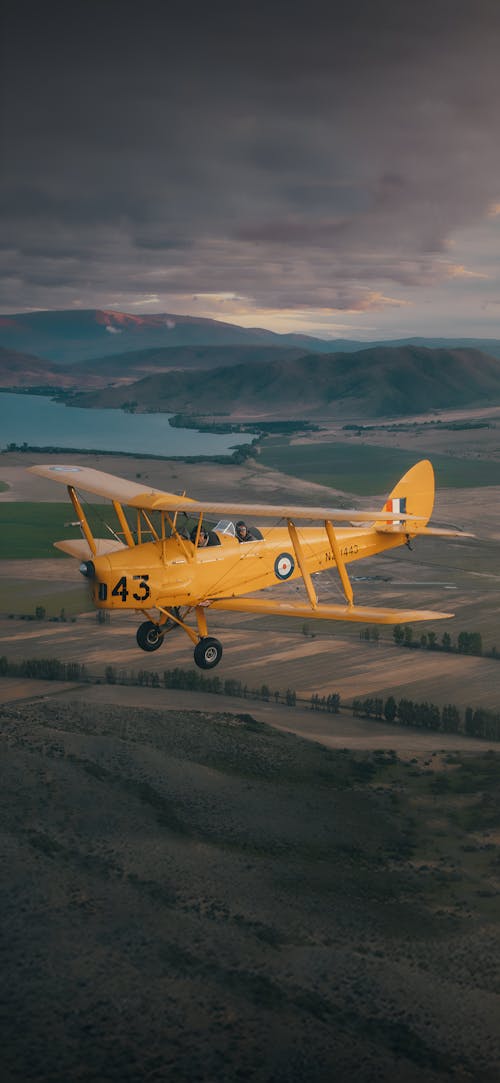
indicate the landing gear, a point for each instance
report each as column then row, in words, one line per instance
column 208, row 652
column 170, row 624
column 149, row 636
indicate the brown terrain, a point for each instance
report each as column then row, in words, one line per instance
column 210, row 888
column 422, row 433
column 194, row 895
column 23, row 370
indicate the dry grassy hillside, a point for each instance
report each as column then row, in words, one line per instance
column 378, row 382
column 193, row 896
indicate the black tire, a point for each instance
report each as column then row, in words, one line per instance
column 149, row 636
column 208, row 653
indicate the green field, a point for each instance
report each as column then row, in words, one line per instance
column 22, row 597
column 367, row 469
column 27, row 531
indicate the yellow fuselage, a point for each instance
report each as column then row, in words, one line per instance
column 172, row 572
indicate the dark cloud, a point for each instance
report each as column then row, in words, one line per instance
column 299, row 155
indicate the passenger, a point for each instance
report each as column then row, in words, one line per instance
column 243, row 534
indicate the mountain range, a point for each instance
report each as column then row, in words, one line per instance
column 380, row 382
column 204, row 366
column 69, row 336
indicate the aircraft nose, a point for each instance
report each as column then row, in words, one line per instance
column 87, row 568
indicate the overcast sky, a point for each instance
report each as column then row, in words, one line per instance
column 326, row 167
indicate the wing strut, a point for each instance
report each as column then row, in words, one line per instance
column 186, row 549
column 301, row 561
column 123, row 523
column 346, row 582
column 89, row 538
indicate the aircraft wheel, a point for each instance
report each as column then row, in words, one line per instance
column 208, row 653
column 149, row 636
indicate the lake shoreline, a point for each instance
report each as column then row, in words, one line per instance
column 29, row 422
column 53, row 450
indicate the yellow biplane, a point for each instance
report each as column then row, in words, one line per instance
column 151, row 563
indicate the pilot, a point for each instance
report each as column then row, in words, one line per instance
column 243, row 534
column 202, row 540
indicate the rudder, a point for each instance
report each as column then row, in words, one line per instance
column 413, row 495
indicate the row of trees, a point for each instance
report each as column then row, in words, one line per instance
column 466, row 642
column 51, row 669
column 476, row 723
column 43, row 669
column 404, row 636
column 239, row 455
column 192, row 681
column 326, row 703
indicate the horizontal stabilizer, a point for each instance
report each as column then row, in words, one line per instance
column 79, row 548
column 436, row 532
column 423, row 531
column 360, row 613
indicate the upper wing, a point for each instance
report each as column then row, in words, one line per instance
column 100, row 483
column 265, row 511
column 134, row 495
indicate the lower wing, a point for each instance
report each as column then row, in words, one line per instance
column 361, row 613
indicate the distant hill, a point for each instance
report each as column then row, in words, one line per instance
column 380, row 382
column 137, row 363
column 70, row 336
column 490, row 346
column 24, row 370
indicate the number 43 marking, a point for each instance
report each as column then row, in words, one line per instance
column 120, row 590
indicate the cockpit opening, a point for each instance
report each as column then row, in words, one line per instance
column 240, row 530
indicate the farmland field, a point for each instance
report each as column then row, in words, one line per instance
column 179, row 865
column 367, row 469
column 24, row 596
column 461, row 577
column 28, row 530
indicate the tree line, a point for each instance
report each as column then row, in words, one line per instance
column 43, row 669
column 52, row 669
column 476, row 722
column 465, row 643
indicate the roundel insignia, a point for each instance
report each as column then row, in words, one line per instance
column 66, row 469
column 284, row 565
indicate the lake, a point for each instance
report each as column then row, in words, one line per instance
column 41, row 422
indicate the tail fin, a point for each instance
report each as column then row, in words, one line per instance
column 413, row 495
